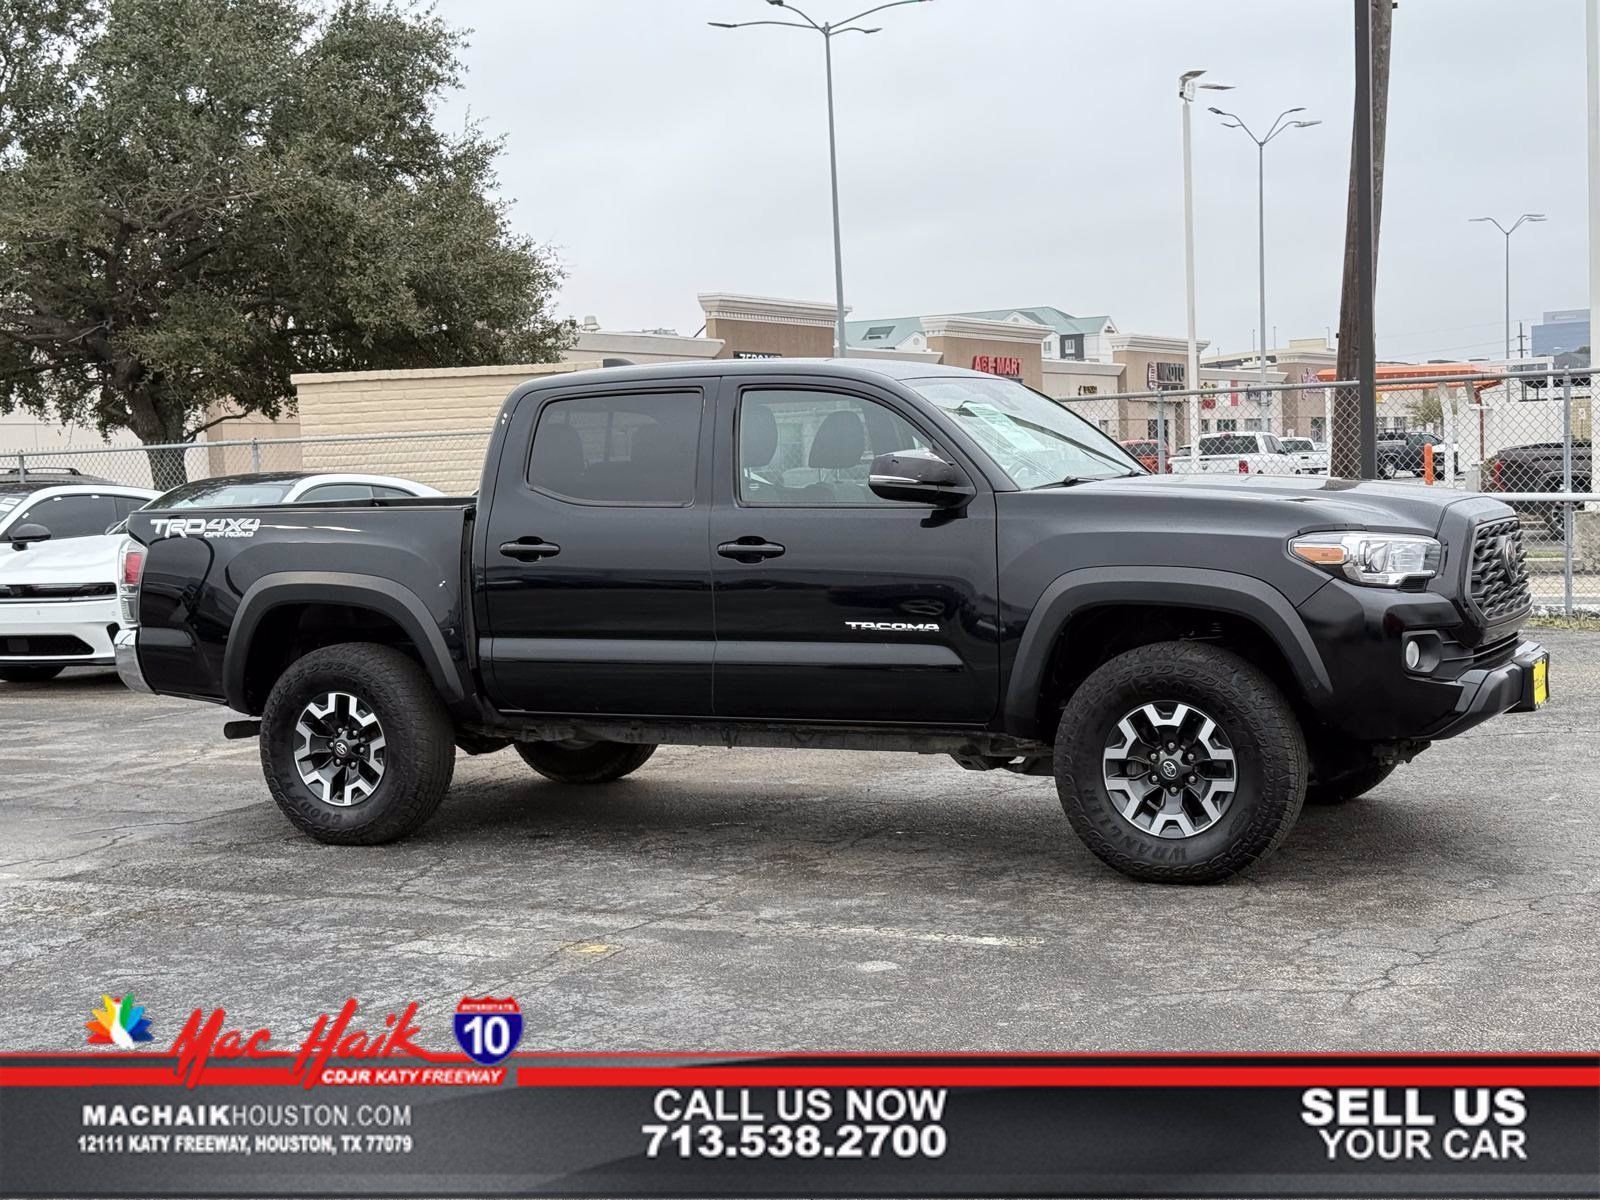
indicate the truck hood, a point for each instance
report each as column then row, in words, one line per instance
column 1302, row 502
column 73, row 560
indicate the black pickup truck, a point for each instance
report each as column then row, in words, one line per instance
column 845, row 554
column 1539, row 467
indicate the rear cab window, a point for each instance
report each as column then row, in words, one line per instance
column 630, row 448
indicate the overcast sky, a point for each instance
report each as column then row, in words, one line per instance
column 1018, row 152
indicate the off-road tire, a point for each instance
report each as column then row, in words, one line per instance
column 598, row 762
column 24, row 673
column 1269, row 749
column 1349, row 784
column 420, row 748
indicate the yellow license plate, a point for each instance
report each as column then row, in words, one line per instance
column 1541, row 681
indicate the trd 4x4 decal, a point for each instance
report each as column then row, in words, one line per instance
column 224, row 527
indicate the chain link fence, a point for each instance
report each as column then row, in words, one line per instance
column 1524, row 437
column 450, row 461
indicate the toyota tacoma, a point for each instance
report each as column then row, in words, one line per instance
column 848, row 555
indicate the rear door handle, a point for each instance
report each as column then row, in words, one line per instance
column 749, row 549
column 527, row 549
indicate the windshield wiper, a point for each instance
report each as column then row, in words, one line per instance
column 1071, row 480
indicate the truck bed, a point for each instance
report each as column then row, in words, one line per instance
column 199, row 578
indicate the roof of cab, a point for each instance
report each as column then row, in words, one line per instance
column 832, row 368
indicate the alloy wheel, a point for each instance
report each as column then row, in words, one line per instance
column 339, row 748
column 1169, row 769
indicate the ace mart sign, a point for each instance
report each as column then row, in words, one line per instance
column 998, row 364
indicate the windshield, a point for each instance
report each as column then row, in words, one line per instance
column 223, row 493
column 1034, row 440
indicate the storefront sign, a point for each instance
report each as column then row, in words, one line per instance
column 998, row 364
column 1163, row 376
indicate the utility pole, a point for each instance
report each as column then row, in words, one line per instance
column 1591, row 37
column 1356, row 457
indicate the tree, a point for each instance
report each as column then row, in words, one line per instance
column 200, row 197
column 1427, row 410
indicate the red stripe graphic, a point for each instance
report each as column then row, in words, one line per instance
column 1091, row 1076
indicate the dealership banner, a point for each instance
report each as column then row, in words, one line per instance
column 375, row 1106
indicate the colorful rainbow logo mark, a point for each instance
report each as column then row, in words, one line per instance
column 120, row 1023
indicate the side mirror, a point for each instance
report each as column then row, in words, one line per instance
column 24, row 536
column 921, row 477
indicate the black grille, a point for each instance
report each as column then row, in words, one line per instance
column 56, row 591
column 1498, row 581
column 48, row 646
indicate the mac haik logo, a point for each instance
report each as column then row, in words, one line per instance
column 206, row 1038
column 120, row 1023
column 488, row 1029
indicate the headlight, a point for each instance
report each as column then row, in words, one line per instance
column 1381, row 559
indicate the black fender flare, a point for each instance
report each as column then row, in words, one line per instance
column 1170, row 587
column 393, row 600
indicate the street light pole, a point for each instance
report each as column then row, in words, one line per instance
column 1531, row 218
column 1278, row 126
column 839, row 348
column 828, row 32
column 1187, row 86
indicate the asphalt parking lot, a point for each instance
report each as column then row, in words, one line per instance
column 767, row 900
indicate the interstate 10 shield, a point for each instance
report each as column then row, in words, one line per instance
column 488, row 1029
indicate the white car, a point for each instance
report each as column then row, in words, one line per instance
column 1311, row 457
column 58, row 592
column 58, row 595
column 1241, row 453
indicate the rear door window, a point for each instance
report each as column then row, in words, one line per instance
column 70, row 516
column 337, row 493
column 618, row 448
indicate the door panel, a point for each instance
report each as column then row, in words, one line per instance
column 597, row 576
column 847, row 607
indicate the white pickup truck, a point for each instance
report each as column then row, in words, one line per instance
column 1247, row 453
column 1311, row 457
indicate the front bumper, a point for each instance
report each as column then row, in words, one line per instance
column 127, row 652
column 1361, row 634
column 58, row 633
column 1488, row 693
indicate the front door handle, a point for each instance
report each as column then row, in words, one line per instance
column 749, row 549
column 528, row 549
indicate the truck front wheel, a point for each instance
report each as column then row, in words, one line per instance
column 582, row 761
column 355, row 745
column 1180, row 762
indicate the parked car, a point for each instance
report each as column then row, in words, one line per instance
column 976, row 570
column 58, row 601
column 1538, row 467
column 1248, row 453
column 1145, row 450
column 1311, row 458
column 1403, row 452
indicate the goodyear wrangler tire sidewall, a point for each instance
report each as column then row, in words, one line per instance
column 1268, row 746
column 420, row 748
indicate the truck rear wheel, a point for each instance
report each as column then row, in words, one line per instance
column 582, row 761
column 1180, row 762
column 355, row 745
